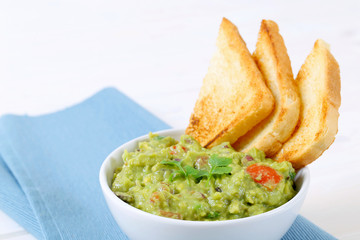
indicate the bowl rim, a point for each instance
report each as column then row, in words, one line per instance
column 305, row 172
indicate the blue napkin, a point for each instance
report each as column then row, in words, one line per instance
column 49, row 168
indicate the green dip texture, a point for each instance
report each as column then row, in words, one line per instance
column 183, row 180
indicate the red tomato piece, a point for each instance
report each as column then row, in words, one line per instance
column 264, row 175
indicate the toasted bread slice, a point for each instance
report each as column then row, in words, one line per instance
column 273, row 61
column 319, row 86
column 233, row 97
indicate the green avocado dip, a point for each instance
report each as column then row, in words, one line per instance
column 183, row 180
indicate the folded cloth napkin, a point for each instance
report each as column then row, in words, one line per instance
column 49, row 168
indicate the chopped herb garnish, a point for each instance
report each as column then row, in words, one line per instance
column 180, row 172
column 219, row 165
column 213, row 214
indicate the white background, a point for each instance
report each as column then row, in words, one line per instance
column 54, row 54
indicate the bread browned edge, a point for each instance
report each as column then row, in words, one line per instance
column 319, row 86
column 274, row 63
column 223, row 112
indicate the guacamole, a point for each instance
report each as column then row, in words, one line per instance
column 183, row 180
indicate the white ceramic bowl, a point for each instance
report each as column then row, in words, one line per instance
column 137, row 224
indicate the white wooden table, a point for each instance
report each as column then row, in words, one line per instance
column 56, row 53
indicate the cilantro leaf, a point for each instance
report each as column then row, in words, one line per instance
column 185, row 171
column 174, row 163
column 219, row 165
column 216, row 161
column 222, row 170
column 202, row 173
column 181, row 170
column 195, row 173
column 175, row 174
column 190, row 170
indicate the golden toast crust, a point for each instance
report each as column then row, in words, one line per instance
column 319, row 85
column 273, row 61
column 233, row 97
